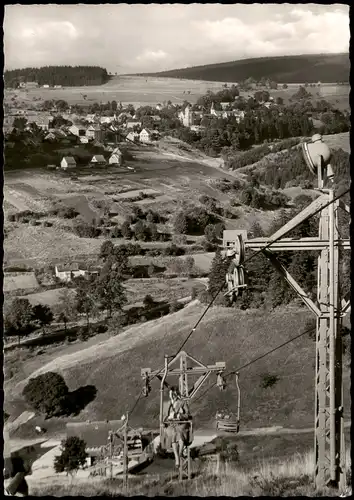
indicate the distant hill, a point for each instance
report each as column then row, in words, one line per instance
column 67, row 76
column 326, row 68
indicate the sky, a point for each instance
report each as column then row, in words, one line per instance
column 149, row 38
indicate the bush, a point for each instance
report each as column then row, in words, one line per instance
column 11, row 218
column 174, row 250
column 47, row 393
column 269, row 380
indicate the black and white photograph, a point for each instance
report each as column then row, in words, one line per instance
column 176, row 250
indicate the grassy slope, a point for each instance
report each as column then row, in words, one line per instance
column 230, row 335
column 293, row 69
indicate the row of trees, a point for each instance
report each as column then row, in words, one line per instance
column 68, row 76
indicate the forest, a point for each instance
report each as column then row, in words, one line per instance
column 326, row 68
column 67, row 76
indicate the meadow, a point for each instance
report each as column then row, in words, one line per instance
column 140, row 91
column 290, row 477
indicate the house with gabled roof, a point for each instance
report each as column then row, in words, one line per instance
column 78, row 130
column 94, row 132
column 98, row 160
column 116, row 157
column 68, row 162
column 147, row 135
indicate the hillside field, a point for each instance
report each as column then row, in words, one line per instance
column 113, row 367
column 311, row 68
column 141, row 91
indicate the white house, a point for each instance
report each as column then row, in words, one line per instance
column 147, row 135
column 84, row 139
column 68, row 162
column 115, row 158
column 132, row 137
column 45, row 86
column 66, row 272
column 98, row 160
column 108, row 119
column 93, row 132
column 225, row 105
column 77, row 130
column 158, row 107
column 187, row 116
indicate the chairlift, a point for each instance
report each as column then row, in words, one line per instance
column 229, row 421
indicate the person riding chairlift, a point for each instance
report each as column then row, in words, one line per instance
column 175, row 409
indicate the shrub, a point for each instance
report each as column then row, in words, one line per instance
column 47, row 393
column 269, row 380
column 174, row 250
column 174, row 307
column 11, row 218
column 47, row 224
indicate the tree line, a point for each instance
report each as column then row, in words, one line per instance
column 67, row 76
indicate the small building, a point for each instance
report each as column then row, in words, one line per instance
column 96, row 436
column 45, row 86
column 98, row 160
column 131, row 123
column 68, row 162
column 51, row 137
column 58, row 86
column 156, row 118
column 94, row 132
column 158, row 107
column 83, row 139
column 107, row 119
column 77, row 130
column 91, row 118
column 225, row 105
column 66, row 272
column 116, row 157
column 147, row 135
column 132, row 137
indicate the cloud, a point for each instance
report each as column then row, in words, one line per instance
column 150, row 37
column 290, row 34
column 151, row 55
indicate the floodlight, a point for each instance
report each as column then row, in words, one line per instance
column 317, row 156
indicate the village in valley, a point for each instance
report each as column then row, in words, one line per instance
column 139, row 209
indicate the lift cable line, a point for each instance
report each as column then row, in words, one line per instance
column 250, row 258
column 257, row 359
column 223, row 285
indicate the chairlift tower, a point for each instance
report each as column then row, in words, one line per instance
column 184, row 367
column 329, row 309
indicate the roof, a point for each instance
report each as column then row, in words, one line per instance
column 94, row 127
column 74, row 266
column 69, row 159
column 99, row 158
column 116, row 151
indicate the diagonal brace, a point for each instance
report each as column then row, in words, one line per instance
column 293, row 283
column 198, row 384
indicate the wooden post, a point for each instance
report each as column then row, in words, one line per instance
column 125, row 454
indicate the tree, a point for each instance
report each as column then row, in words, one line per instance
column 210, row 233
column 110, row 292
column 66, row 309
column 181, row 223
column 19, row 123
column 217, row 273
column 149, row 302
column 154, row 234
column 73, row 455
column 126, row 231
column 86, row 298
column 106, row 250
column 140, row 230
column 42, row 314
column 47, row 393
column 18, row 318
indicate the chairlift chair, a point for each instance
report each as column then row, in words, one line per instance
column 230, row 421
